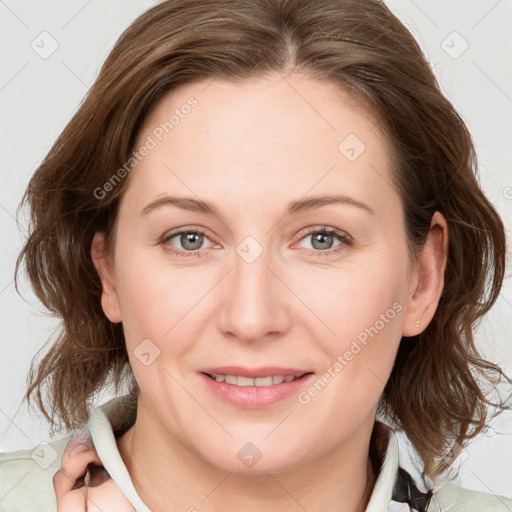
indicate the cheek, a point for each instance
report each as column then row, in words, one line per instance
column 347, row 302
column 362, row 311
column 145, row 311
column 160, row 303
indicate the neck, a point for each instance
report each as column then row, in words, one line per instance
column 169, row 476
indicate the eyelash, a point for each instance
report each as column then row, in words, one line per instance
column 345, row 240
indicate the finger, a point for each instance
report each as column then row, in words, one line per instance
column 76, row 457
column 104, row 497
column 80, row 465
column 63, row 486
column 80, row 443
column 73, row 469
column 73, row 501
column 107, row 497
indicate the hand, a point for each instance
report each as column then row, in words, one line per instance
column 83, row 484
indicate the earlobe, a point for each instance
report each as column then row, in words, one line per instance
column 428, row 283
column 104, row 267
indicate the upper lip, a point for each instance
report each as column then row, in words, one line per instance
column 264, row 371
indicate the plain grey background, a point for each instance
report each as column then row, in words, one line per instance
column 51, row 54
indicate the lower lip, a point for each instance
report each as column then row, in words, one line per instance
column 255, row 397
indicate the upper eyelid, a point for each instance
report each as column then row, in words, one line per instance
column 179, row 231
column 172, row 234
column 322, row 229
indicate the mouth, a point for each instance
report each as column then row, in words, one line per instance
column 254, row 388
column 242, row 381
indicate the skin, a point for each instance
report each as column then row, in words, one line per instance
column 100, row 497
column 251, row 149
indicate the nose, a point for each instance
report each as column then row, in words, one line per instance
column 256, row 304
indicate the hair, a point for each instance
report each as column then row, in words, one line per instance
column 433, row 393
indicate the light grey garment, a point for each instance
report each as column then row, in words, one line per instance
column 26, row 475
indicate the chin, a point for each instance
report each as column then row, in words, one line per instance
column 259, row 468
column 254, row 458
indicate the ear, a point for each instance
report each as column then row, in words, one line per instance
column 427, row 280
column 105, row 269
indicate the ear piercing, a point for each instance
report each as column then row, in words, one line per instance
column 417, row 324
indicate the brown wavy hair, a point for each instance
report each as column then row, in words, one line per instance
column 433, row 392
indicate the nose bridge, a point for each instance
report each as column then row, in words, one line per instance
column 253, row 306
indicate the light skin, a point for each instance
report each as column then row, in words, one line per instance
column 250, row 150
column 101, row 496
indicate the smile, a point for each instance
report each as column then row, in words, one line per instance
column 240, row 380
column 254, row 388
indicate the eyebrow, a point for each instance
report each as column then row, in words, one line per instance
column 295, row 207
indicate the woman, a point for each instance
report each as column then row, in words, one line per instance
column 264, row 217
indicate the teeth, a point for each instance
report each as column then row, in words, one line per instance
column 262, row 381
column 239, row 380
column 242, row 381
column 230, row 379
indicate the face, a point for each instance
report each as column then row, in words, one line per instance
column 261, row 239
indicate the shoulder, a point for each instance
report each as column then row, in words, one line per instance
column 26, row 477
column 453, row 498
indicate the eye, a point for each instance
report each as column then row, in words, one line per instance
column 189, row 242
column 323, row 240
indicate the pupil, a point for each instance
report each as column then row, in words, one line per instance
column 323, row 239
column 189, row 238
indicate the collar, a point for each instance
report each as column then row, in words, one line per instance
column 394, row 489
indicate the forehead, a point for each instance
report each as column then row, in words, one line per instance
column 266, row 138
